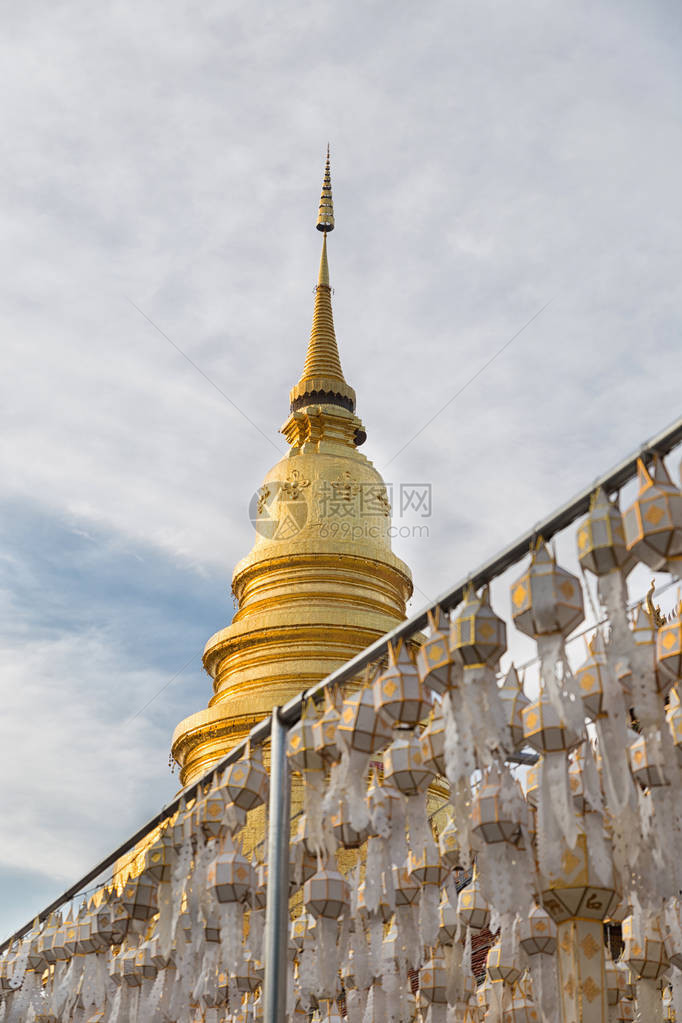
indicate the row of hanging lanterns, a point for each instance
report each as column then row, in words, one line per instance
column 388, row 897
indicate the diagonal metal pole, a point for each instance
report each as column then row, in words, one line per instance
column 277, row 906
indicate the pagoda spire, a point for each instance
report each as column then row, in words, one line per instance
column 322, row 381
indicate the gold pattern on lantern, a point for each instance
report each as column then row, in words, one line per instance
column 589, row 946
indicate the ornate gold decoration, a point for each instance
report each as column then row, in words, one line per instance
column 654, row 612
column 590, row 990
column 589, row 946
column 294, row 484
column 308, row 598
column 345, row 487
column 325, row 215
column 263, row 495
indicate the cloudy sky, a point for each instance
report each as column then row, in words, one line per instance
column 163, row 161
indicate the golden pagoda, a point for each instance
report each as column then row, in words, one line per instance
column 321, row 582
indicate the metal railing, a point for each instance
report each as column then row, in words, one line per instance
column 275, row 726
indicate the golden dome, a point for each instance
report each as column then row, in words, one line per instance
column 321, row 582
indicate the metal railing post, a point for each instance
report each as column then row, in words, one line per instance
column 276, row 935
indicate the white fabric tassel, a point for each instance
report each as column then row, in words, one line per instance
column 649, row 1002
column 231, row 935
column 429, row 902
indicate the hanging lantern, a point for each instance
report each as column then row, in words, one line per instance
column 653, row 524
column 246, row 781
column 521, row 1010
column 328, row 1011
column 159, row 859
column 301, row 751
column 139, row 898
column 426, row 868
column 601, row 537
column 7, row 963
column 513, row 701
column 614, row 980
column 546, row 599
column 230, row 876
column 537, row 933
column 324, row 729
column 303, row 861
column 492, row 816
column 248, row 975
column 326, row 894
column 383, row 909
column 590, row 677
column 438, row 669
column 501, row 966
column 448, row 846
column 433, row 981
column 128, row 972
column 180, row 826
column 144, row 962
column 669, row 650
column 64, row 939
column 399, row 693
column 86, row 940
column 156, row 956
column 45, row 941
column 432, row 742
column 472, row 909
column 344, row 832
column 362, row 728
column 647, row 762
column 36, row 960
column 477, row 635
column 403, row 765
column 213, row 817
column 625, row 1011
column 211, row 928
column 260, row 890
column 673, row 716
column 544, row 730
column 405, row 887
column 447, row 919
column 629, row 980
column 111, row 922
column 575, row 779
column 645, row 950
column 299, row 928
column 580, row 887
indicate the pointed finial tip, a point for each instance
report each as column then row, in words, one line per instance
column 325, row 214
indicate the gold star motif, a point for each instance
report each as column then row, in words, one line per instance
column 669, row 640
column 589, row 946
column 590, row 990
column 654, row 514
